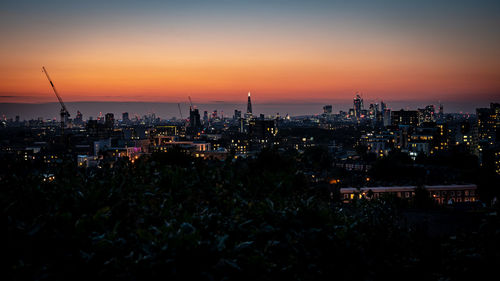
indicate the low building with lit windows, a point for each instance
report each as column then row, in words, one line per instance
column 442, row 194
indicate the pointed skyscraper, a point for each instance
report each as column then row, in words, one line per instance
column 248, row 115
column 249, row 105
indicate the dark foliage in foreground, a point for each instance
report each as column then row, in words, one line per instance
column 171, row 217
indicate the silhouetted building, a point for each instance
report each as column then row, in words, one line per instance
column 383, row 106
column 97, row 130
column 488, row 123
column 327, row 109
column 358, row 106
column 237, row 114
column 249, row 104
column 404, row 117
column 100, row 118
column 109, row 120
column 262, row 129
column 125, row 117
column 194, row 120
column 205, row 116
column 78, row 118
column 427, row 114
column 248, row 115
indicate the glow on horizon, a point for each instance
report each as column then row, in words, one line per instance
column 297, row 53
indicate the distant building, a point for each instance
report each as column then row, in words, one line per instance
column 327, row 109
column 372, row 111
column 109, row 120
column 358, row 106
column 427, row 114
column 466, row 136
column 79, row 118
column 125, row 118
column 488, row 123
column 205, row 116
column 404, row 117
column 194, row 120
column 249, row 114
column 249, row 104
column 100, row 118
column 441, row 194
column 383, row 106
column 262, row 128
column 237, row 114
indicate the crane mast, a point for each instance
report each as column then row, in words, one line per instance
column 180, row 111
column 191, row 103
column 64, row 112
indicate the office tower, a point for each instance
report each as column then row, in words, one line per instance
column 327, row 109
column 109, row 120
column 372, row 110
column 358, row 106
column 427, row 114
column 237, row 114
column 100, row 118
column 78, row 118
column 488, row 124
column 125, row 117
column 383, row 106
column 262, row 128
column 194, row 120
column 387, row 117
column 205, row 116
column 404, row 117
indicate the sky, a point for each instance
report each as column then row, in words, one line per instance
column 281, row 51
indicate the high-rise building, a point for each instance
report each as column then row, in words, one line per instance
column 249, row 105
column 383, row 106
column 109, row 120
column 387, row 117
column 100, row 118
column 260, row 128
column 125, row 117
column 373, row 110
column 205, row 116
column 358, row 106
column 194, row 120
column 327, row 109
column 466, row 135
column 237, row 114
column 427, row 114
column 78, row 118
column 488, row 124
column 404, row 117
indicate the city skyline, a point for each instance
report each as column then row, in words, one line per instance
column 50, row 110
column 315, row 51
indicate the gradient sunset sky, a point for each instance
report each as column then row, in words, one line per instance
column 297, row 51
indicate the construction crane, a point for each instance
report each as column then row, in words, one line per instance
column 180, row 111
column 64, row 112
column 191, row 103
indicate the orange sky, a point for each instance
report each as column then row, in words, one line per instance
column 311, row 58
